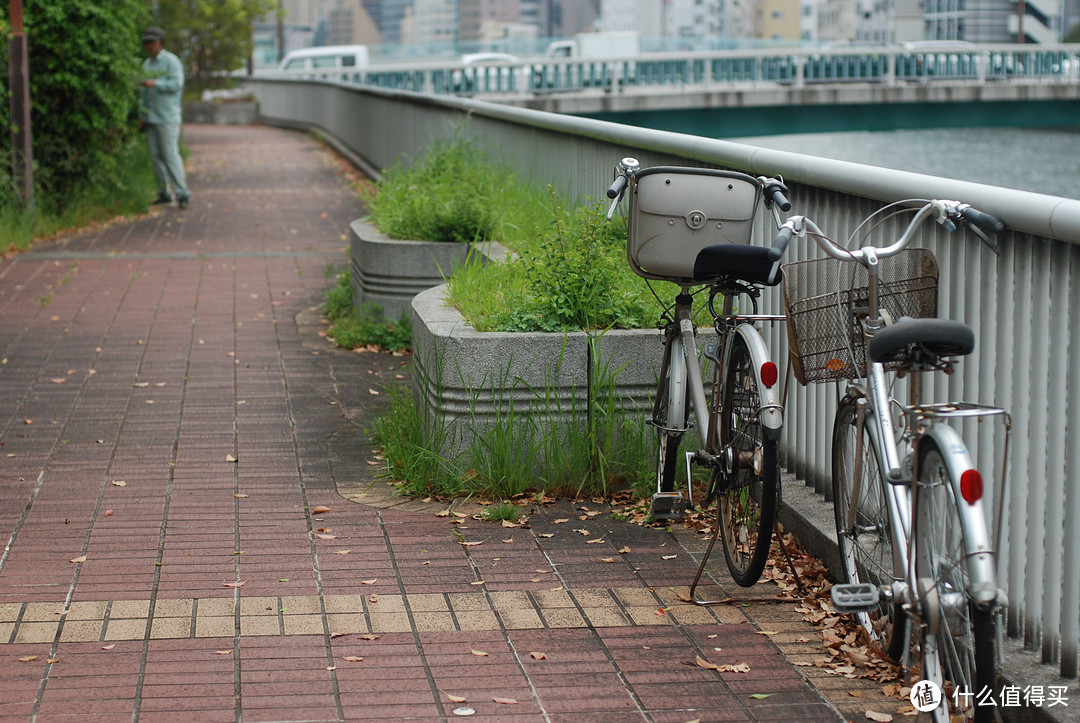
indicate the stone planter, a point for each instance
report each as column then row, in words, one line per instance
column 390, row 272
column 470, row 379
column 232, row 113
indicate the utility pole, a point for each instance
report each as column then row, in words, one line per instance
column 22, row 157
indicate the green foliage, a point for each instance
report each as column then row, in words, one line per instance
column 353, row 328
column 211, row 37
column 445, row 196
column 93, row 203
column 83, row 59
column 502, row 512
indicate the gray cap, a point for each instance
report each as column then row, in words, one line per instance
column 154, row 33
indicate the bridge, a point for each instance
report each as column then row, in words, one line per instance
column 718, row 93
column 1022, row 304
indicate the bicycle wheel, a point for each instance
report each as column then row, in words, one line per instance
column 747, row 487
column 866, row 543
column 967, row 633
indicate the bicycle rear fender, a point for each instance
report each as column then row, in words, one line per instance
column 772, row 413
column 978, row 545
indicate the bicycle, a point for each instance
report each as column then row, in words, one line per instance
column 692, row 227
column 917, row 555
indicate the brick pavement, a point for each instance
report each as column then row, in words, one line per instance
column 169, row 418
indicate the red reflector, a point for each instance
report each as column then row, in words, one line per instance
column 769, row 375
column 971, row 486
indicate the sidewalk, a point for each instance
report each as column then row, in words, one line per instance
column 170, row 420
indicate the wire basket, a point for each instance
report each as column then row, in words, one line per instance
column 824, row 332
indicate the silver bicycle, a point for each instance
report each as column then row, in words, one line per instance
column 692, row 227
column 918, row 555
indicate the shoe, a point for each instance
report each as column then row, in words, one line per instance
column 183, row 202
column 162, row 198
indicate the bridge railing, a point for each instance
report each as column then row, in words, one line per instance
column 886, row 66
column 1023, row 305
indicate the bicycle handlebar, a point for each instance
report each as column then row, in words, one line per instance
column 949, row 214
column 617, row 186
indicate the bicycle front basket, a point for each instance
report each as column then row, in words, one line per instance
column 676, row 212
column 825, row 299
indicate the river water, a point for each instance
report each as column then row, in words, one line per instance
column 1043, row 160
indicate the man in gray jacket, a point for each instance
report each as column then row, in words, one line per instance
column 159, row 112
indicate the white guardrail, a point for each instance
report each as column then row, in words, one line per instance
column 883, row 66
column 1023, row 305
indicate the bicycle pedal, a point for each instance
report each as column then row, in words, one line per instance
column 857, row 597
column 667, row 506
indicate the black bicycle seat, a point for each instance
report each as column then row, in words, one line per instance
column 747, row 263
column 939, row 337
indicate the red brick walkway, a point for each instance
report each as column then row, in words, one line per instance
column 169, row 419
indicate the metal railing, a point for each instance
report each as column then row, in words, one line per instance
column 656, row 72
column 1023, row 305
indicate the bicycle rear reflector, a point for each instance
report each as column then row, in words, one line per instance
column 971, row 486
column 769, row 374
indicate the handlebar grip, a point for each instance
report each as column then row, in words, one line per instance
column 983, row 220
column 617, row 186
column 781, row 201
column 781, row 243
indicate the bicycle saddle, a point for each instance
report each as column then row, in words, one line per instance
column 747, row 263
column 938, row 337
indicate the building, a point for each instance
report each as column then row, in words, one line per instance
column 348, row 23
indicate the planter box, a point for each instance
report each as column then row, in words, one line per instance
column 233, row 113
column 469, row 379
column 390, row 272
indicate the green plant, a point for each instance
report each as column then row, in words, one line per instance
column 84, row 58
column 443, row 196
column 502, row 512
column 353, row 328
column 409, row 441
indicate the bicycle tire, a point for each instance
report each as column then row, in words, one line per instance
column 967, row 632
column 665, row 419
column 866, row 546
column 747, row 488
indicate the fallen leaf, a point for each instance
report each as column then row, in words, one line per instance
column 142, row 384
column 52, row 661
column 325, row 537
column 559, row 522
column 508, row 523
column 593, row 542
column 373, row 599
column 109, row 513
column 538, row 656
column 369, row 636
column 352, row 658
column 767, row 632
column 108, row 647
column 760, row 696
column 223, row 652
column 504, row 701
column 321, row 510
column 230, row 458
column 59, row 380
column 372, row 581
column 624, row 550
column 737, row 668
column 546, row 534
column 80, row 558
column 668, row 557
column 119, row 483
column 455, row 698
column 478, row 653
column 342, row 552
column 28, row 659
column 443, row 513
column 607, row 559
column 234, row 584
column 508, row 540
column 472, row 544
column 879, row 717
column 855, row 693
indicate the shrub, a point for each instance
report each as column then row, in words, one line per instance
column 84, row 60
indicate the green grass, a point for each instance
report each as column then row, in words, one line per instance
column 353, row 328
column 502, row 512
column 128, row 196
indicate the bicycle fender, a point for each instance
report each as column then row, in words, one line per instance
column 978, row 543
column 772, row 414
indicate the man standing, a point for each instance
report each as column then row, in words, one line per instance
column 159, row 112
